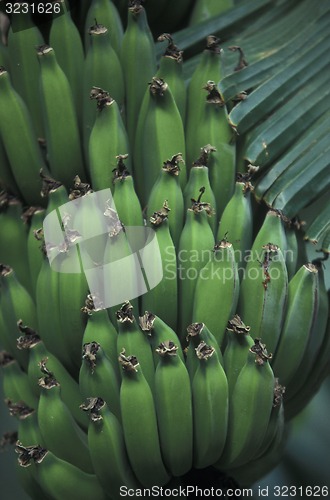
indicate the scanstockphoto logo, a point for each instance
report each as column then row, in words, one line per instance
column 41, row 11
column 119, row 263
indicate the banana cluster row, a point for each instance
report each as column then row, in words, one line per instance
column 206, row 367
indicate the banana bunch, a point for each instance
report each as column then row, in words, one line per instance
column 153, row 318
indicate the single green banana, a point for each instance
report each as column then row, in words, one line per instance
column 23, row 37
column 193, row 252
column 49, row 320
column 54, row 419
column 171, row 70
column 299, row 323
column 316, row 377
column 252, row 397
column 100, row 66
column 162, row 299
column 316, row 337
column 237, row 223
column 139, row 423
column 132, row 339
column 158, row 332
column 15, row 382
column 33, row 218
column 276, row 420
column 159, row 135
column 28, row 432
column 174, row 410
column 213, row 128
column 65, row 39
column 100, row 329
column 70, row 389
column 238, row 343
column 217, row 284
column 197, row 333
column 208, row 68
column 7, row 181
column 13, row 235
column 64, row 152
column 205, row 9
column 107, row 448
column 125, row 198
column 72, row 289
column 121, row 243
column 167, row 187
column 105, row 12
column 97, row 376
column 108, row 139
column 210, row 407
column 199, row 176
column 58, row 478
column 272, row 230
column 16, row 304
column 137, row 51
column 263, row 295
column 20, row 142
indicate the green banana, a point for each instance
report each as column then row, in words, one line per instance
column 263, row 295
column 132, row 339
column 20, row 142
column 70, row 389
column 159, row 135
column 107, row 449
column 99, row 68
column 162, row 299
column 16, row 304
column 58, row 478
column 174, row 410
column 210, row 407
column 97, row 376
column 272, row 230
column 316, row 337
column 54, row 418
column 213, row 128
column 139, row 423
column 124, row 196
column 107, row 14
column 167, row 187
column 237, row 222
column 100, row 329
column 13, row 234
column 197, row 333
column 33, row 218
column 252, row 396
column 299, row 323
column 7, row 181
column 158, row 332
column 23, row 37
column 217, row 284
column 276, row 420
column 15, row 381
column 64, row 151
column 196, row 240
column 108, row 139
column 65, row 39
column 238, row 343
column 209, row 67
column 199, row 176
column 171, row 70
column 137, row 51
column 28, row 432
